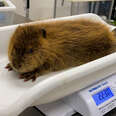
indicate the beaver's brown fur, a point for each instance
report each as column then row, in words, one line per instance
column 41, row 48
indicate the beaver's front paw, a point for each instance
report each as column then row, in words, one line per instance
column 29, row 76
column 9, row 67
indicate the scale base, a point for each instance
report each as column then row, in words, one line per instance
column 56, row 108
column 83, row 101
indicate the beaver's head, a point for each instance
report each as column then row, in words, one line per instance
column 24, row 47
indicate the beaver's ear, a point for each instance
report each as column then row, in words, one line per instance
column 44, row 33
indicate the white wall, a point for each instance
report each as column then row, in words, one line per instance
column 43, row 9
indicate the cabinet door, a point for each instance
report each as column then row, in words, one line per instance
column 20, row 6
column 41, row 9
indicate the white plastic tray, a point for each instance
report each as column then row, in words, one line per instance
column 7, row 13
column 9, row 6
column 16, row 95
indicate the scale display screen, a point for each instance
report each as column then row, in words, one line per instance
column 103, row 96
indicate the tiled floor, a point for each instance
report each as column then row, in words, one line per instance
column 31, row 112
column 34, row 112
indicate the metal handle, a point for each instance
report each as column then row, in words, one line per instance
column 28, row 4
column 27, row 8
column 62, row 2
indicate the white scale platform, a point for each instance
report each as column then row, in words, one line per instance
column 95, row 100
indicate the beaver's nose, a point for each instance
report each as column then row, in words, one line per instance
column 16, row 65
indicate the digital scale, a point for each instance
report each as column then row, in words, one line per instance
column 95, row 100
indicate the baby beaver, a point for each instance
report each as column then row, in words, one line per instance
column 41, row 48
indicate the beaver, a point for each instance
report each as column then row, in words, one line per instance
column 37, row 49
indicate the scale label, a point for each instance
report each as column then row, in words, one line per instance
column 103, row 96
column 98, row 86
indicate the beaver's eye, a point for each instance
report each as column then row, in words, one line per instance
column 30, row 51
